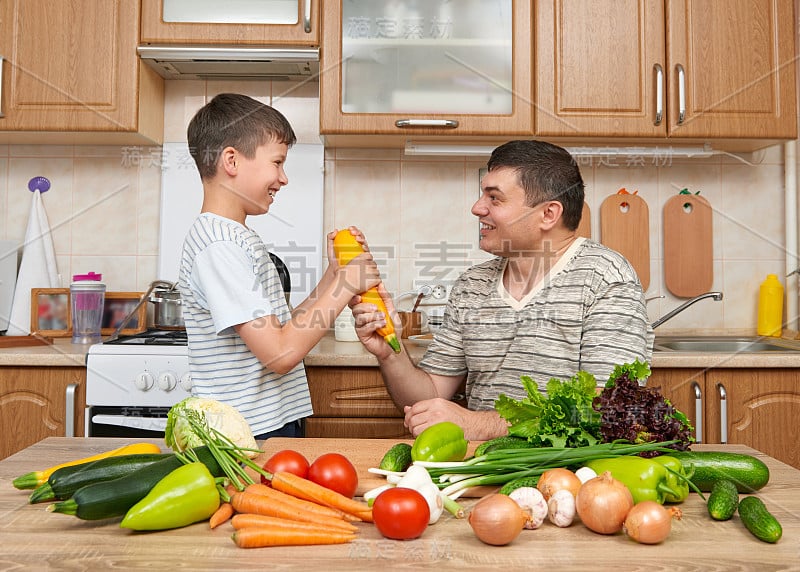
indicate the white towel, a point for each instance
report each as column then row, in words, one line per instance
column 38, row 268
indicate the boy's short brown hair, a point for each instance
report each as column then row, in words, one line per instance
column 234, row 120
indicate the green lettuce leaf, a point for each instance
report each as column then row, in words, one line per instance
column 562, row 418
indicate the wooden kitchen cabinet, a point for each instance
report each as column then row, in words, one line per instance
column 303, row 32
column 39, row 402
column 71, row 74
column 405, row 70
column 754, row 407
column 352, row 402
column 696, row 70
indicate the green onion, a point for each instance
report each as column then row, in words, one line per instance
column 503, row 465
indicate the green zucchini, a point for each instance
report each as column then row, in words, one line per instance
column 723, row 500
column 504, row 442
column 748, row 473
column 518, row 483
column 398, row 458
column 63, row 483
column 108, row 499
column 758, row 520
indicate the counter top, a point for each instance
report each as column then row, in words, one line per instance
column 35, row 539
column 332, row 353
column 61, row 353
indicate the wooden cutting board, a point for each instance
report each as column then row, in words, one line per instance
column 625, row 227
column 688, row 246
column 363, row 453
column 585, row 227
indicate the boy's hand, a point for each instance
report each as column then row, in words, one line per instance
column 359, row 275
column 332, row 261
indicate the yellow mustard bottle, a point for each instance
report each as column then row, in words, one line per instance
column 770, row 307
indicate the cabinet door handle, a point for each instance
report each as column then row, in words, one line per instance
column 447, row 123
column 698, row 412
column 723, row 414
column 69, row 413
column 659, row 94
column 307, row 16
column 681, row 94
column 2, row 61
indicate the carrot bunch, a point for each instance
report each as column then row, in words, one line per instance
column 293, row 511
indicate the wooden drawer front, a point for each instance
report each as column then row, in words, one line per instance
column 349, row 392
column 356, row 428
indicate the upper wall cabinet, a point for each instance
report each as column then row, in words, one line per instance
column 70, row 74
column 273, row 22
column 688, row 69
column 403, row 69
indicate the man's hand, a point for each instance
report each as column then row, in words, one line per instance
column 368, row 319
column 477, row 425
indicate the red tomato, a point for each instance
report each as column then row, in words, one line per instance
column 286, row 461
column 335, row 472
column 401, row 514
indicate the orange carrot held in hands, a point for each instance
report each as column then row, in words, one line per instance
column 347, row 248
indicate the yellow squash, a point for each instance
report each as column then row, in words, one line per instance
column 35, row 478
column 347, row 248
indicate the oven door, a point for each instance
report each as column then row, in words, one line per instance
column 126, row 421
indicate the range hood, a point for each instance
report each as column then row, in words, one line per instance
column 232, row 62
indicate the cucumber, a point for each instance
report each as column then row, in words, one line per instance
column 63, row 483
column 504, row 442
column 748, row 473
column 518, row 483
column 398, row 458
column 758, row 520
column 723, row 500
column 108, row 499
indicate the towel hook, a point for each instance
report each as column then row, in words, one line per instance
column 41, row 184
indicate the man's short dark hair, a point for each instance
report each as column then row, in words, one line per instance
column 546, row 172
column 234, row 120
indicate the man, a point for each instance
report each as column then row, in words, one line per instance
column 550, row 303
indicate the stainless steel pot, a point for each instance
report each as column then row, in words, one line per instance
column 167, row 308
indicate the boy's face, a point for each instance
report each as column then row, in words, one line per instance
column 260, row 178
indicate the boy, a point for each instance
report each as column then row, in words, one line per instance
column 246, row 345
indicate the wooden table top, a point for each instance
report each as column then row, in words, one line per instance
column 32, row 538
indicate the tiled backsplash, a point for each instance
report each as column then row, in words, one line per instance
column 415, row 211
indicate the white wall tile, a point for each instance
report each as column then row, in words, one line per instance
column 104, row 205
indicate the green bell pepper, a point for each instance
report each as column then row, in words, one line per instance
column 677, row 478
column 187, row 495
column 440, row 442
column 645, row 478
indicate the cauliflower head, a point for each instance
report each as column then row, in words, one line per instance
column 180, row 436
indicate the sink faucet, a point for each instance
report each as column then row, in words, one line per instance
column 717, row 296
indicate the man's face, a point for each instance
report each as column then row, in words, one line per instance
column 507, row 225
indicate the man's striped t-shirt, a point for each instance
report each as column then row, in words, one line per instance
column 588, row 313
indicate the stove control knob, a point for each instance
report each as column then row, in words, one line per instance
column 144, row 381
column 167, row 381
column 186, row 382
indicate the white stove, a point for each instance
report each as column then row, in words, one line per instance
column 133, row 381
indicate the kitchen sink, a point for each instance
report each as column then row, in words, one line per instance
column 724, row 344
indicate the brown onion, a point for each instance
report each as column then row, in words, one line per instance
column 603, row 503
column 496, row 519
column 649, row 523
column 554, row 480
